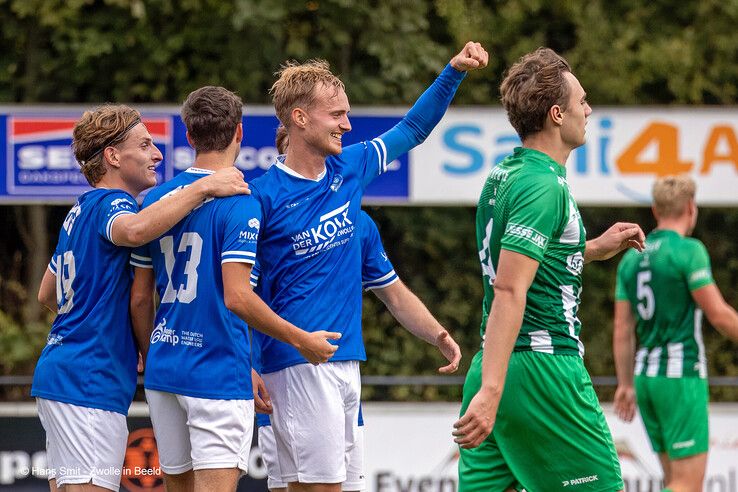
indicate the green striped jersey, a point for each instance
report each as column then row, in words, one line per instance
column 658, row 284
column 526, row 206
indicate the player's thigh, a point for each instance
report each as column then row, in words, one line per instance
column 481, row 469
column 313, row 407
column 221, row 432
column 688, row 473
column 217, row 479
column 169, row 420
column 551, row 429
column 268, row 448
column 644, row 389
column 88, row 444
column 682, row 405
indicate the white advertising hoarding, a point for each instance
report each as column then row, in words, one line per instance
column 626, row 149
column 409, row 448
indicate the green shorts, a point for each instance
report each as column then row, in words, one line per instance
column 550, row 433
column 674, row 412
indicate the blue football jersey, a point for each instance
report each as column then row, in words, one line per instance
column 90, row 356
column 308, row 251
column 377, row 272
column 198, row 347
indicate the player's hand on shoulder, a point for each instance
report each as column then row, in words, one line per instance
column 225, row 182
column 471, row 57
column 450, row 350
column 317, row 349
column 476, row 423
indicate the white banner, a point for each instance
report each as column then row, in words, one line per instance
column 626, row 149
column 409, row 448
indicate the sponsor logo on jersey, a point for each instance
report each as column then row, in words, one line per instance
column 337, row 182
column 527, row 233
column 575, row 263
column 71, row 217
column 700, row 275
column 248, row 236
column 254, row 223
column 121, row 203
column 683, row 444
column 54, row 339
column 580, row 480
column 332, row 225
column 163, row 334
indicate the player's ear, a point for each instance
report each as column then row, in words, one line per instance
column 110, row 154
column 299, row 117
column 239, row 133
column 556, row 114
column 189, row 140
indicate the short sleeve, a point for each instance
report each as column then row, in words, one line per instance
column 141, row 257
column 535, row 208
column 377, row 271
column 241, row 226
column 697, row 268
column 112, row 206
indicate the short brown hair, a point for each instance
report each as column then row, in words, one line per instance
column 211, row 115
column 531, row 87
column 104, row 126
column 671, row 194
column 282, row 139
column 295, row 86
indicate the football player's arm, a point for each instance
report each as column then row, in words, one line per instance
column 412, row 314
column 140, row 228
column 719, row 313
column 623, row 345
column 430, row 107
column 515, row 274
column 47, row 291
column 142, row 308
column 618, row 237
column 241, row 299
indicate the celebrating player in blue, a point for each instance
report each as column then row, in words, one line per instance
column 198, row 371
column 86, row 375
column 311, row 259
column 377, row 275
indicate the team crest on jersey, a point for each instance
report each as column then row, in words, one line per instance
column 337, row 182
column 121, row 203
column 332, row 225
column 575, row 263
column 54, row 339
column 163, row 334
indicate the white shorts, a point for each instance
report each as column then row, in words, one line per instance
column 355, row 480
column 83, row 445
column 200, row 433
column 315, row 419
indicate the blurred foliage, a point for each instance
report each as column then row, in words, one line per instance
column 386, row 51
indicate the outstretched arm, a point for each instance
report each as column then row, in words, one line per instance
column 430, row 107
column 623, row 345
column 136, row 229
column 411, row 313
column 515, row 274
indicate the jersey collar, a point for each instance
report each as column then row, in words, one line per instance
column 280, row 165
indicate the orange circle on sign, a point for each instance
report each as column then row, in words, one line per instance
column 141, row 469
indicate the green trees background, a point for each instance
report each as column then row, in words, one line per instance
column 387, row 51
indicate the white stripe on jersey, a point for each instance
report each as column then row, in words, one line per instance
column 384, row 153
column 540, row 341
column 238, row 260
column 700, row 344
column 675, row 362
column 381, row 283
column 653, row 362
column 569, row 301
column 238, row 253
column 639, row 360
column 138, row 264
column 380, row 160
column 109, row 226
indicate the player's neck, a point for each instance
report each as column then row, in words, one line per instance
column 304, row 161
column 550, row 145
column 678, row 225
column 213, row 161
column 111, row 181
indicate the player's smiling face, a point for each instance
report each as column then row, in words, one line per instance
column 576, row 113
column 138, row 157
column 328, row 120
